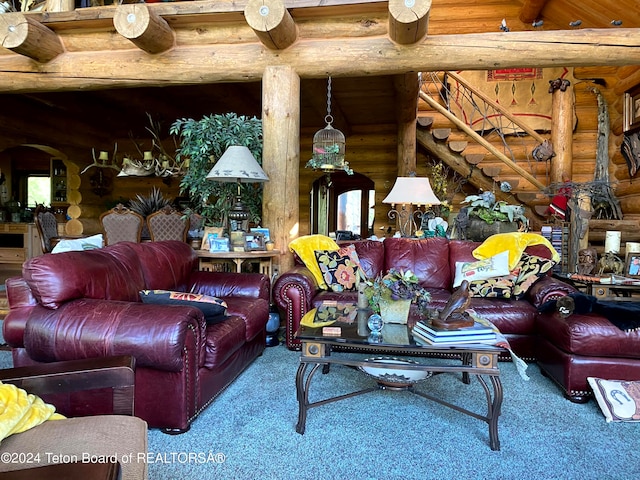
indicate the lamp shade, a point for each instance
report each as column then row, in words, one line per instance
column 237, row 164
column 411, row 191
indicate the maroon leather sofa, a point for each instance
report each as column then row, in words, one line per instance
column 433, row 261
column 567, row 350
column 86, row 304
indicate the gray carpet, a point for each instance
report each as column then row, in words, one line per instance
column 396, row 435
column 249, row 432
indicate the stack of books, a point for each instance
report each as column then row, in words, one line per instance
column 425, row 333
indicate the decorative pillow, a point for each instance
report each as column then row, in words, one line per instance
column 305, row 248
column 497, row 287
column 214, row 309
column 340, row 269
column 515, row 243
column 619, row 400
column 529, row 270
column 495, row 266
column 78, row 244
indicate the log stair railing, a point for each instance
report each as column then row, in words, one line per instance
column 437, row 92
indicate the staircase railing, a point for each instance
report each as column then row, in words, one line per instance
column 484, row 120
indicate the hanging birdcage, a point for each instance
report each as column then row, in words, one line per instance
column 328, row 145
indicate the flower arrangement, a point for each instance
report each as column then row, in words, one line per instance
column 397, row 285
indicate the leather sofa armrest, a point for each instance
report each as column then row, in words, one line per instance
column 548, row 288
column 21, row 302
column 293, row 293
column 230, row 284
column 157, row 336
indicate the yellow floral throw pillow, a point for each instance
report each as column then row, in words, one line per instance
column 305, row 248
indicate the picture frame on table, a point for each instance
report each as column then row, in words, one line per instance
column 209, row 233
column 254, row 242
column 263, row 231
column 219, row 244
column 632, row 109
column 632, row 265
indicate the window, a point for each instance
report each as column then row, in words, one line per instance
column 38, row 190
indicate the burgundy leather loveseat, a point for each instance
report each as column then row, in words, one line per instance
column 86, row 304
column 433, row 261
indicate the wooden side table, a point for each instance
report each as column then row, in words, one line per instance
column 264, row 258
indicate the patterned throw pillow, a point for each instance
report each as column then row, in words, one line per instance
column 340, row 269
column 304, row 247
column 214, row 309
column 497, row 287
column 495, row 266
column 619, row 400
column 530, row 268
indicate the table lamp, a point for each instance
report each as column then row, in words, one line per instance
column 237, row 164
column 408, row 192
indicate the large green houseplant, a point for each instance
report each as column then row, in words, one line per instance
column 202, row 143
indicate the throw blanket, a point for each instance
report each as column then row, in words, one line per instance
column 20, row 411
column 624, row 315
column 515, row 243
column 501, row 341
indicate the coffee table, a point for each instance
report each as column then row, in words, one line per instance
column 469, row 360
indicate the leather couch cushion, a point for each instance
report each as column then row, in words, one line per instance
column 428, row 258
column 222, row 340
column 166, row 265
column 111, row 273
column 371, row 256
column 588, row 335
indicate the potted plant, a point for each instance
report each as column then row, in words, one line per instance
column 485, row 216
column 391, row 295
column 202, row 143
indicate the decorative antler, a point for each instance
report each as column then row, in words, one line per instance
column 96, row 163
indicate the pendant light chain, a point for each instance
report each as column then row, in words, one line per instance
column 329, row 118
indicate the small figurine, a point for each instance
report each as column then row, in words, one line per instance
column 587, row 258
column 454, row 314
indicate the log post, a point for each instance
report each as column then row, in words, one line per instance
column 272, row 23
column 406, row 87
column 562, row 120
column 60, row 5
column 145, row 28
column 531, row 10
column 281, row 158
column 408, row 20
column 24, row 35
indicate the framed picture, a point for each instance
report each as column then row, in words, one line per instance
column 632, row 265
column 219, row 244
column 263, row 231
column 210, row 233
column 632, row 109
column 254, row 242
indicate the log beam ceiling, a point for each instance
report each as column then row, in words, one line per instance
column 360, row 55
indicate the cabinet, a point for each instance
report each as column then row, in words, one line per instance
column 20, row 242
column 59, row 183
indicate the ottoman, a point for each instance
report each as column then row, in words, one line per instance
column 579, row 346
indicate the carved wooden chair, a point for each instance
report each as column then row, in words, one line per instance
column 47, row 226
column 121, row 224
column 114, row 434
column 168, row 224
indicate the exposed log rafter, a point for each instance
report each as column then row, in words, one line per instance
column 26, row 36
column 272, row 23
column 144, row 27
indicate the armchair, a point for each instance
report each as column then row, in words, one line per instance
column 115, row 433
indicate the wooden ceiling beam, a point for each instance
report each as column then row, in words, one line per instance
column 144, row 27
column 408, row 20
column 530, row 11
column 272, row 23
column 24, row 35
column 367, row 56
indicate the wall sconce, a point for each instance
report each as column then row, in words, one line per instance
column 409, row 192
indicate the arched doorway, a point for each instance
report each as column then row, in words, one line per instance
column 343, row 202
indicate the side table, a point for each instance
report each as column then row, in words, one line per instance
column 264, row 258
